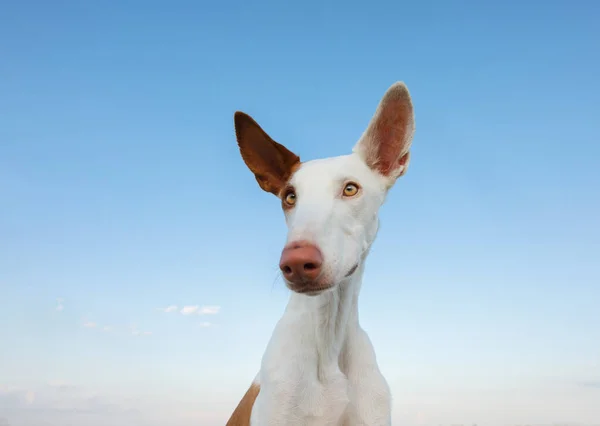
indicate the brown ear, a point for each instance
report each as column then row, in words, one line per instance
column 385, row 144
column 271, row 162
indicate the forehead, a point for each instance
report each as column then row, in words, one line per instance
column 327, row 172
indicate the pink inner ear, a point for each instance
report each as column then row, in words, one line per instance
column 390, row 136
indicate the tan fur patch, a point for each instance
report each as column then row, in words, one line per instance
column 241, row 415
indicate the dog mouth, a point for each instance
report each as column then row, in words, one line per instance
column 351, row 271
column 315, row 290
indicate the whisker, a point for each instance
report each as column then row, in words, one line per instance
column 278, row 276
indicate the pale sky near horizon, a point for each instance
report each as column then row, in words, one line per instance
column 138, row 256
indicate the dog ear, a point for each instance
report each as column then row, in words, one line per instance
column 271, row 162
column 385, row 145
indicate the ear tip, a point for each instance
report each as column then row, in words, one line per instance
column 241, row 120
column 239, row 115
column 399, row 90
column 399, row 85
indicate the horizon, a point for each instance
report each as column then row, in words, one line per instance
column 119, row 165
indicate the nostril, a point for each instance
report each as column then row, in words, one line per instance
column 310, row 266
column 287, row 270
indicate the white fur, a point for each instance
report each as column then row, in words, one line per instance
column 319, row 367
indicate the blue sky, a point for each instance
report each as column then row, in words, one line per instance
column 122, row 191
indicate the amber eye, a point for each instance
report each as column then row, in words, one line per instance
column 350, row 190
column 290, row 198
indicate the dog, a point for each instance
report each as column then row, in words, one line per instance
column 319, row 367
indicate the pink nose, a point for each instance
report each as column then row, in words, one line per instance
column 301, row 262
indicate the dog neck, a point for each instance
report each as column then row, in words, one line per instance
column 327, row 319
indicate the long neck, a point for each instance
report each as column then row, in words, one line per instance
column 328, row 317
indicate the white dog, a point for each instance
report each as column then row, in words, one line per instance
column 319, row 367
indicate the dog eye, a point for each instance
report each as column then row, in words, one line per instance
column 350, row 189
column 290, row 198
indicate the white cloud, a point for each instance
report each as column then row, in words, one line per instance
column 29, row 397
column 136, row 332
column 85, row 406
column 171, row 308
column 89, row 324
column 205, row 324
column 61, row 385
column 187, row 310
column 18, row 395
column 209, row 310
column 59, row 304
column 106, row 328
column 52, row 406
column 192, row 309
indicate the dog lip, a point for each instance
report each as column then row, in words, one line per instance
column 351, row 271
column 306, row 288
column 311, row 291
